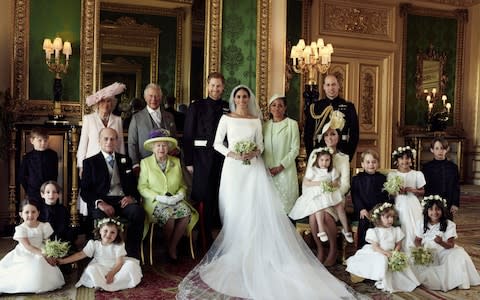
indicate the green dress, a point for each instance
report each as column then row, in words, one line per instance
column 282, row 143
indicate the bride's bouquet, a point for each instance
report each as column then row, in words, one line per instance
column 393, row 185
column 243, row 147
column 55, row 249
column 422, row 256
column 397, row 262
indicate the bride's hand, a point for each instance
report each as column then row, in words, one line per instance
column 235, row 155
column 250, row 155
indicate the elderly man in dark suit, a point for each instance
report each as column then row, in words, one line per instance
column 143, row 122
column 110, row 189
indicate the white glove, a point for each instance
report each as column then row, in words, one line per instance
column 163, row 199
column 170, row 200
column 177, row 198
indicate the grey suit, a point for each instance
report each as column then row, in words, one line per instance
column 139, row 130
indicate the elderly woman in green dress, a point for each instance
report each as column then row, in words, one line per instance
column 282, row 142
column 163, row 189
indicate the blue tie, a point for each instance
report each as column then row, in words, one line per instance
column 111, row 160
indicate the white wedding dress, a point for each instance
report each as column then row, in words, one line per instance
column 258, row 253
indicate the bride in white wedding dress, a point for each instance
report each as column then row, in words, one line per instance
column 257, row 254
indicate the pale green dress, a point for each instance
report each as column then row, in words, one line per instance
column 282, row 143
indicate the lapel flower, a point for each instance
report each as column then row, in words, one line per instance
column 123, row 160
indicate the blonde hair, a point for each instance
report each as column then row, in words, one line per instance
column 371, row 152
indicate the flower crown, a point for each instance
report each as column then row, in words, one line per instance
column 377, row 212
column 317, row 151
column 323, row 150
column 401, row 150
column 110, row 220
column 433, row 198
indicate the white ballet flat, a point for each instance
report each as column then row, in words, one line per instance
column 323, row 236
column 348, row 236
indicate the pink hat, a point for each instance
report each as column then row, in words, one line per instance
column 107, row 92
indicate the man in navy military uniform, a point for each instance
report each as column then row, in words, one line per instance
column 318, row 114
column 201, row 160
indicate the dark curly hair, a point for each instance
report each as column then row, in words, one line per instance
column 410, row 153
column 443, row 219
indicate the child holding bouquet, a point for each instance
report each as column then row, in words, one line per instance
column 320, row 191
column 380, row 260
column 407, row 202
column 452, row 267
column 27, row 261
column 109, row 269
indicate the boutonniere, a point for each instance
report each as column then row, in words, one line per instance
column 123, row 160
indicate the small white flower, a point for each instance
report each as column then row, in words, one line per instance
column 123, row 160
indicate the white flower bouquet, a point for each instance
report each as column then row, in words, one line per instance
column 327, row 187
column 243, row 147
column 397, row 262
column 422, row 256
column 56, row 249
column 393, row 185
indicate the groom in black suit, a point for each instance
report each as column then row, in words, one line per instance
column 110, row 189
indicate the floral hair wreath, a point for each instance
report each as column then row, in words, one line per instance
column 377, row 212
column 433, row 198
column 324, row 150
column 318, row 151
column 401, row 150
column 110, row 220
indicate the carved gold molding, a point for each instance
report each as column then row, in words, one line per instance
column 462, row 17
column 87, row 36
column 22, row 106
column 20, row 54
column 263, row 52
column 368, row 98
column 179, row 13
column 126, row 36
column 213, row 37
column 357, row 20
column 462, row 3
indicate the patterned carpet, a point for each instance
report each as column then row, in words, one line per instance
column 160, row 280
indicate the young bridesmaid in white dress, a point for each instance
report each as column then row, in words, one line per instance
column 407, row 202
column 320, row 191
column 23, row 269
column 110, row 269
column 371, row 261
column 452, row 267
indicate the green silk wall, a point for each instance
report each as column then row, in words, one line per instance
column 421, row 32
column 294, row 31
column 239, row 44
column 48, row 19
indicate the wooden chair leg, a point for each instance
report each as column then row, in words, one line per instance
column 152, row 226
column 142, row 256
column 191, row 245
